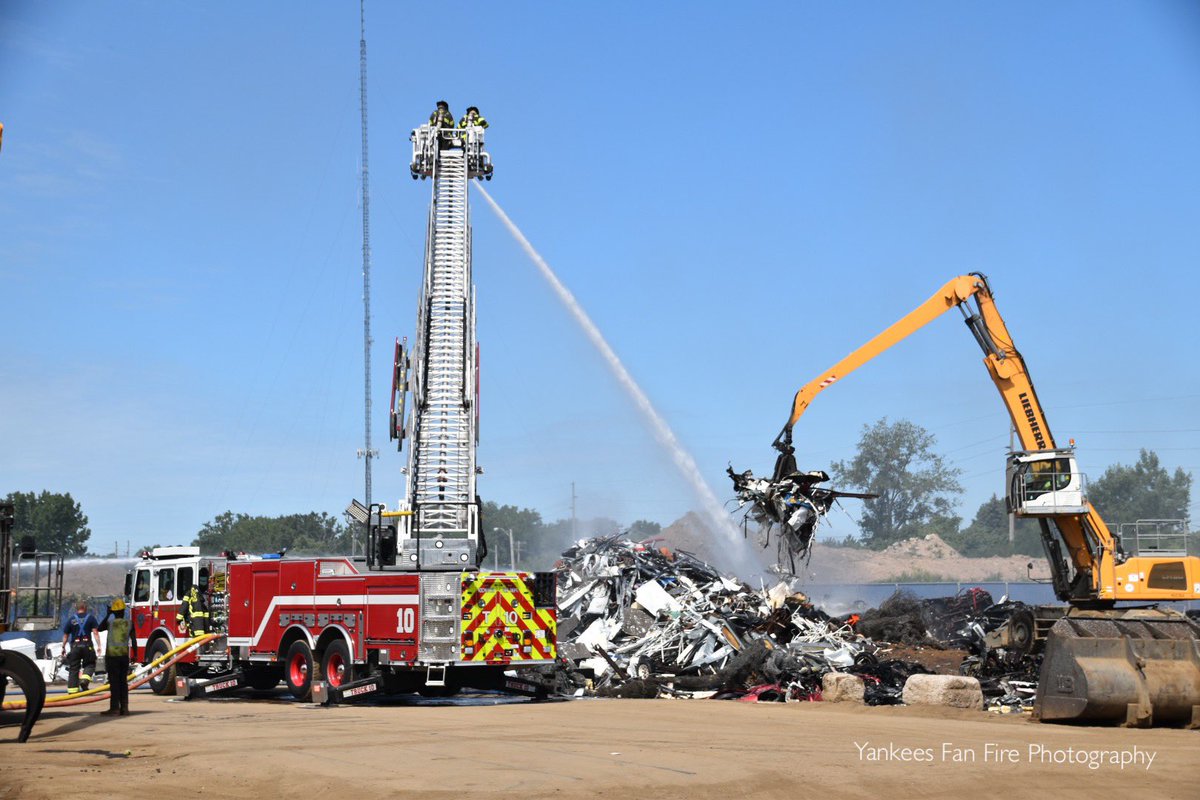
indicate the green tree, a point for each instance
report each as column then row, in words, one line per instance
column 526, row 526
column 55, row 521
column 644, row 529
column 915, row 485
column 311, row 534
column 1145, row 490
column 987, row 535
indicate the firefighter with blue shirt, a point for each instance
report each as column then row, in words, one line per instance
column 79, row 648
column 116, row 658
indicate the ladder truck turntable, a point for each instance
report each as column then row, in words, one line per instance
column 416, row 613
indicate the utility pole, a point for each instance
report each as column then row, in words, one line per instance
column 366, row 453
column 574, row 521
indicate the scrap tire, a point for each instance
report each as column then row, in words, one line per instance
column 1021, row 627
column 164, row 682
column 336, row 665
column 298, row 669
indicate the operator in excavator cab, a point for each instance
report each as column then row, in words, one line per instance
column 472, row 119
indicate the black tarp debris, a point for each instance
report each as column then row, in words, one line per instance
column 898, row 619
column 790, row 504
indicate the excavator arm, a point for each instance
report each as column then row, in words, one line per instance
column 1082, row 530
column 1003, row 362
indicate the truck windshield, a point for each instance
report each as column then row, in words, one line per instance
column 1049, row 475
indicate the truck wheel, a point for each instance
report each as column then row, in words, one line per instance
column 164, row 682
column 336, row 665
column 298, row 669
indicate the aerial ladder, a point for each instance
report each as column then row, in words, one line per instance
column 1103, row 662
column 437, row 529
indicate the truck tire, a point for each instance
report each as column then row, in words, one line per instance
column 336, row 665
column 164, row 682
column 298, row 669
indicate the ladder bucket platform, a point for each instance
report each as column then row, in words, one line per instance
column 1136, row 667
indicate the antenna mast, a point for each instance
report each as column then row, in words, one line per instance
column 366, row 453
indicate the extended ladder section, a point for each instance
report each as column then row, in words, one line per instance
column 442, row 529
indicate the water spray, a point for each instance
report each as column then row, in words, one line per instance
column 681, row 458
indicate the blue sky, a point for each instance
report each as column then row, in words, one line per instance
column 738, row 194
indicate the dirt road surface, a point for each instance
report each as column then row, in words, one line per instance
column 652, row 749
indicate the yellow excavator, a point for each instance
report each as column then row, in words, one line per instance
column 1103, row 662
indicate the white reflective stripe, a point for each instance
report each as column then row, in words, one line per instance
column 348, row 603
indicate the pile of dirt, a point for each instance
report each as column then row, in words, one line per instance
column 931, row 546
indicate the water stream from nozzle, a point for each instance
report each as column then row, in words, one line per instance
column 719, row 520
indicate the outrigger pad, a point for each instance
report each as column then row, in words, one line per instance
column 26, row 675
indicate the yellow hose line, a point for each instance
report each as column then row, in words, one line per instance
column 101, row 692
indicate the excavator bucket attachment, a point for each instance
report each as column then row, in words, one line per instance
column 1137, row 667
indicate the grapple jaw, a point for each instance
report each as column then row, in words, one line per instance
column 1135, row 667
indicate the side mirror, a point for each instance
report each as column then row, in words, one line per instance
column 129, row 585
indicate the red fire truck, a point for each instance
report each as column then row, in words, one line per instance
column 300, row 620
column 417, row 612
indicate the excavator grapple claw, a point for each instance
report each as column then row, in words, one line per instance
column 1134, row 667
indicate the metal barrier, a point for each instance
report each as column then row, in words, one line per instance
column 1158, row 537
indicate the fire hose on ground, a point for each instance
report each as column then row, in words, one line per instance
column 155, row 667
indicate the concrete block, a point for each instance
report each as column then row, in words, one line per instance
column 838, row 687
column 955, row 691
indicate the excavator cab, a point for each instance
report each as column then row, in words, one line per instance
column 1045, row 483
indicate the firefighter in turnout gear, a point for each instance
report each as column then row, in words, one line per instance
column 441, row 116
column 193, row 614
column 79, row 648
column 473, row 119
column 116, row 658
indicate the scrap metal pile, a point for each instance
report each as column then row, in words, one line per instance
column 640, row 620
column 647, row 622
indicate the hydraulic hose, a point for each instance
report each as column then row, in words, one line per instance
column 155, row 667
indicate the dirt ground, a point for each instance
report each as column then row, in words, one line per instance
column 262, row 748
